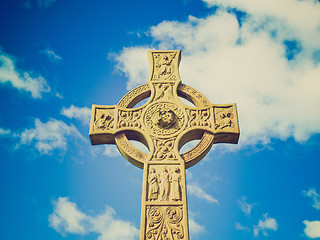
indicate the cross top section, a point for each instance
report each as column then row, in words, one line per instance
column 163, row 117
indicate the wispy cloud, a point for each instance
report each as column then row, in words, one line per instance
column 247, row 64
column 312, row 193
column 83, row 114
column 312, row 229
column 195, row 190
column 20, row 79
column 52, row 55
column 111, row 151
column 68, row 219
column 244, row 206
column 264, row 225
column 240, row 227
column 50, row 135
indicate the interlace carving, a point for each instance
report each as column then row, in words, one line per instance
column 164, row 150
column 224, row 118
column 164, row 223
column 104, row 119
column 199, row 118
column 129, row 118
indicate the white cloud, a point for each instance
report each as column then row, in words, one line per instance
column 195, row 190
column 312, row 229
column 312, row 193
column 20, row 79
column 267, row 223
column 52, row 55
column 82, row 114
column 195, row 228
column 240, row 227
column 67, row 218
column 111, row 151
column 247, row 65
column 244, row 206
column 50, row 135
column 5, row 132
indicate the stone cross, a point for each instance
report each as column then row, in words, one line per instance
column 164, row 124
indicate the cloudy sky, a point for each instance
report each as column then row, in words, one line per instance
column 59, row 57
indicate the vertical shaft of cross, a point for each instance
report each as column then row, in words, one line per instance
column 164, row 202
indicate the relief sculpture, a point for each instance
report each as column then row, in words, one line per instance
column 199, row 118
column 129, row 118
column 163, row 65
column 164, row 185
column 164, row 150
column 104, row 119
column 164, row 223
column 224, row 118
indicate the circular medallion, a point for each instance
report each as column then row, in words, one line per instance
column 164, row 118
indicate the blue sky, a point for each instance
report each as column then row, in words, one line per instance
column 59, row 57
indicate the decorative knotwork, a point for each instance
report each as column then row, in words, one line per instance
column 224, row 118
column 104, row 119
column 164, row 150
column 163, row 66
column 164, row 223
column 129, row 118
column 199, row 118
column 164, row 118
column 131, row 96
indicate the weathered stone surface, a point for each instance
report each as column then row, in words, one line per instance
column 164, row 124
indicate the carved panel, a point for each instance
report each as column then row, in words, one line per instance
column 224, row 118
column 164, row 223
column 163, row 66
column 164, row 118
column 163, row 91
column 199, row 118
column 164, row 150
column 104, row 119
column 129, row 118
column 164, row 183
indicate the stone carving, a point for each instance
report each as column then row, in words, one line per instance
column 129, row 118
column 199, row 118
column 224, row 118
column 164, row 223
column 163, row 66
column 164, row 91
column 163, row 124
column 164, row 184
column 164, row 181
column 164, row 118
column 104, row 119
column 176, row 185
column 153, row 185
column 164, row 150
column 131, row 96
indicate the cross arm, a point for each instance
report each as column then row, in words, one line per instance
column 107, row 121
column 220, row 120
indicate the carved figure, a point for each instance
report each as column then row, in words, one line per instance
column 176, row 185
column 153, row 185
column 164, row 180
column 103, row 121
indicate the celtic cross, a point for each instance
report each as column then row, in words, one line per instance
column 164, row 124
